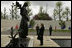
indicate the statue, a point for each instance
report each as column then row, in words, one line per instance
column 22, row 41
column 23, row 29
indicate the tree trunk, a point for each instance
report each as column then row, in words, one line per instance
column 67, row 15
column 59, row 14
column 54, row 18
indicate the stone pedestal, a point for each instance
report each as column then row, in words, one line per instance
column 27, row 42
column 23, row 42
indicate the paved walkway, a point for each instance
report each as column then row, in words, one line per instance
column 47, row 42
column 36, row 43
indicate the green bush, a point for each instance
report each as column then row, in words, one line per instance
column 32, row 23
column 62, row 23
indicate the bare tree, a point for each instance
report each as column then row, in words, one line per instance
column 12, row 11
column 4, row 13
column 59, row 9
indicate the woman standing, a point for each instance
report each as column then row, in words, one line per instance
column 41, row 33
column 37, row 29
column 50, row 30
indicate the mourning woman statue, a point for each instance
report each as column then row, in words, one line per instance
column 23, row 29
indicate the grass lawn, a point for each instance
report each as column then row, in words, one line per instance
column 33, row 30
column 61, row 30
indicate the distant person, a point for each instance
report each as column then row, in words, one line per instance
column 69, row 27
column 41, row 34
column 37, row 29
column 12, row 31
column 16, row 27
column 50, row 30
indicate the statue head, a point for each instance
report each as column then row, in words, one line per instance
column 18, row 5
column 25, row 4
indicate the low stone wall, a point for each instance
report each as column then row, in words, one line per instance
column 7, row 24
column 53, row 23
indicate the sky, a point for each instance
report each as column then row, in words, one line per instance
column 35, row 5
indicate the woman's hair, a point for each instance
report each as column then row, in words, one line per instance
column 42, row 24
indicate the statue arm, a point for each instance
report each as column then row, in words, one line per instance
column 16, row 34
column 18, row 5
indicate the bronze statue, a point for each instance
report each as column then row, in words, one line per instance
column 23, row 29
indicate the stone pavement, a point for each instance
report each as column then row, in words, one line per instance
column 4, row 40
column 47, row 42
column 36, row 43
